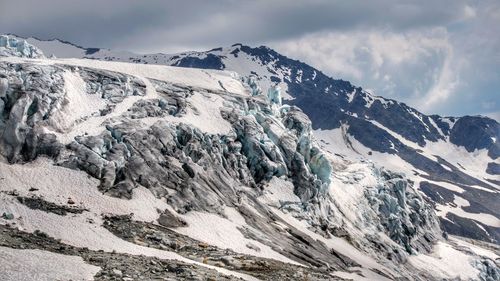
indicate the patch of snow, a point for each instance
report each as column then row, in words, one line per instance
column 446, row 262
column 339, row 142
column 446, row 167
column 76, row 230
column 447, row 185
column 397, row 136
column 204, row 114
column 448, row 121
column 475, row 163
column 483, row 189
column 284, row 94
column 279, row 190
column 24, row 264
column 436, row 126
column 460, row 202
column 57, row 184
column 225, row 233
column 419, row 117
column 352, row 114
column 350, row 96
column 337, row 244
column 472, row 163
column 476, row 249
column 77, row 103
column 298, row 78
column 207, row 79
column 368, row 100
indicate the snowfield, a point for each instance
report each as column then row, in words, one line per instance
column 24, row 265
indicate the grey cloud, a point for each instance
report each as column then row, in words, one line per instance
column 196, row 22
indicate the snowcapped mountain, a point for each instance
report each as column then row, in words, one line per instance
column 452, row 160
column 132, row 171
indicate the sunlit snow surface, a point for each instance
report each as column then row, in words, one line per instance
column 24, row 265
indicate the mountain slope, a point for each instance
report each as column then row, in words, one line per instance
column 147, row 172
column 453, row 160
column 437, row 150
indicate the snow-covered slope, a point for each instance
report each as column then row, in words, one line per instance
column 147, row 172
column 436, row 152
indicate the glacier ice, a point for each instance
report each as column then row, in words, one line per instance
column 403, row 212
column 4, row 40
column 197, row 171
column 274, row 95
column 251, row 82
column 10, row 46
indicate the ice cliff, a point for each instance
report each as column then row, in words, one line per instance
column 10, row 46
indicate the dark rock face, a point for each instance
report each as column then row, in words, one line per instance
column 164, row 238
column 493, row 168
column 167, row 219
column 38, row 203
column 480, row 202
column 468, row 228
column 209, row 62
column 477, row 133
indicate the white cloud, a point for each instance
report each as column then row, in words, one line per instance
column 416, row 66
column 446, row 82
column 332, row 52
column 493, row 115
column 469, row 12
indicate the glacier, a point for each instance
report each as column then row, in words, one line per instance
column 201, row 173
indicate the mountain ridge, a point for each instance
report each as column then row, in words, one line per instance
column 389, row 132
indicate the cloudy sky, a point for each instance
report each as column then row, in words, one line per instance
column 438, row 56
